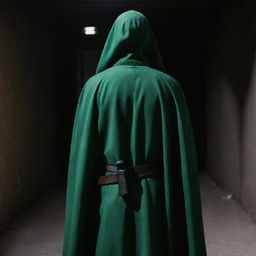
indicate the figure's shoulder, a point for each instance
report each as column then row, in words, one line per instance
column 163, row 77
column 116, row 73
column 167, row 77
column 102, row 76
column 94, row 81
column 95, row 78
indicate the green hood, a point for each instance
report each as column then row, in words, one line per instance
column 130, row 38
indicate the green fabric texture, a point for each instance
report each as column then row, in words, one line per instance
column 132, row 110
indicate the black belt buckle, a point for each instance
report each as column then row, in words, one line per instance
column 121, row 177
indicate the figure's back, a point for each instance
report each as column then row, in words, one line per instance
column 134, row 104
column 132, row 111
column 130, row 101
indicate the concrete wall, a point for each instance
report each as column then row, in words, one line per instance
column 28, row 124
column 231, row 108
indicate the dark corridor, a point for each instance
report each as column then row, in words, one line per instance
column 208, row 46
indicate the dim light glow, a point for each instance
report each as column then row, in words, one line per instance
column 90, row 30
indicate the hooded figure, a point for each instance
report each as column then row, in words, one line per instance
column 132, row 110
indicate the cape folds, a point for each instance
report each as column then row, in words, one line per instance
column 132, row 110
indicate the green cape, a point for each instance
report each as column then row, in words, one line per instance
column 132, row 110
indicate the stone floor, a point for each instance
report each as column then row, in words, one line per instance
column 228, row 229
column 39, row 232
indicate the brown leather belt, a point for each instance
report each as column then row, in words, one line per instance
column 139, row 170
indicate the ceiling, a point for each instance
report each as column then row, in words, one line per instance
column 85, row 5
